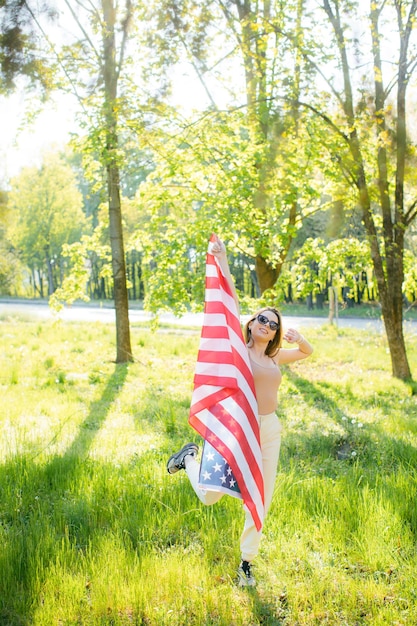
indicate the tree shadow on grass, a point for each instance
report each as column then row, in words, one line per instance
column 376, row 456
column 270, row 611
column 377, row 448
column 315, row 455
column 167, row 415
column 32, row 519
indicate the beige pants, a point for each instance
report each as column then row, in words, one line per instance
column 270, row 434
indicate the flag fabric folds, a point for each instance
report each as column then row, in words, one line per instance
column 223, row 406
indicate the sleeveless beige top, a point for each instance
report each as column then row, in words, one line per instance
column 267, row 381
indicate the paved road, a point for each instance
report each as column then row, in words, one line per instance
column 36, row 310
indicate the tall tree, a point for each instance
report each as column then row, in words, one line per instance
column 111, row 71
column 368, row 120
column 268, row 75
column 92, row 66
column 45, row 212
column 258, row 29
column 9, row 271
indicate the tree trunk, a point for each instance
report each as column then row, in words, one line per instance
column 49, row 271
column 392, row 313
column 40, row 288
column 389, row 281
column 333, row 305
column 124, row 350
column 51, row 287
column 266, row 274
column 387, row 251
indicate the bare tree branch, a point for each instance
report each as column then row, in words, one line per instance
column 324, row 117
column 125, row 35
column 57, row 56
column 411, row 213
column 82, row 29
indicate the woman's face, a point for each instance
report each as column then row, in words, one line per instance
column 260, row 327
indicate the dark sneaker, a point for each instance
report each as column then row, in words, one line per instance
column 176, row 461
column 245, row 576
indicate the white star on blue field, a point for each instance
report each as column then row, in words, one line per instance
column 215, row 472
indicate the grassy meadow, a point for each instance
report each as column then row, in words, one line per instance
column 95, row 532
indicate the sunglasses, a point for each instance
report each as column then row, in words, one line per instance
column 262, row 319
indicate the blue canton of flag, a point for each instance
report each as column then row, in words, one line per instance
column 216, row 474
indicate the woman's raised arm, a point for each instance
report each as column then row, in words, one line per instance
column 218, row 249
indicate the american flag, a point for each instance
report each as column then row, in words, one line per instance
column 223, row 406
column 216, row 473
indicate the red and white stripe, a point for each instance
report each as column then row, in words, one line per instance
column 223, row 406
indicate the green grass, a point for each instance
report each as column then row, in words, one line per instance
column 367, row 310
column 95, row 532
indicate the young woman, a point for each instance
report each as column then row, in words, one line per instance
column 264, row 335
